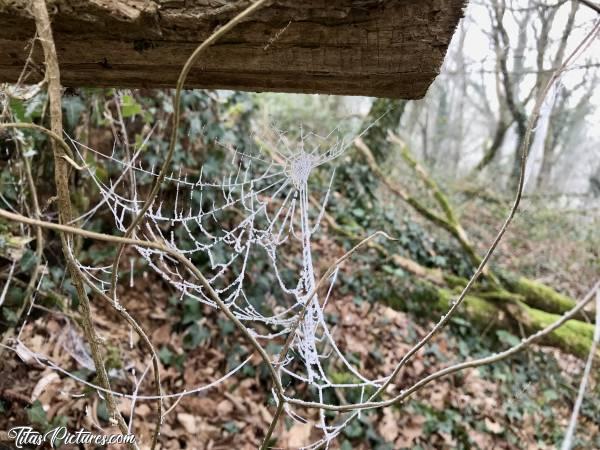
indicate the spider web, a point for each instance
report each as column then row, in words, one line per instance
column 256, row 219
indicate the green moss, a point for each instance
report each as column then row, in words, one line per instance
column 344, row 378
column 455, row 281
column 396, row 303
column 574, row 336
column 475, row 308
column 500, row 296
column 540, row 296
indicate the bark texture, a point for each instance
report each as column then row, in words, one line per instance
column 385, row 48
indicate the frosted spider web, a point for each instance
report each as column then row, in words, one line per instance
column 260, row 210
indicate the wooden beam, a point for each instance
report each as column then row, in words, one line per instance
column 384, row 48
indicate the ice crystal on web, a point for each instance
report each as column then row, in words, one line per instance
column 260, row 217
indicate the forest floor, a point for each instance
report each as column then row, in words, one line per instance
column 501, row 408
column 521, row 403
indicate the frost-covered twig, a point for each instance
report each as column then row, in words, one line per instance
column 163, row 248
column 39, row 245
column 300, row 317
column 517, row 199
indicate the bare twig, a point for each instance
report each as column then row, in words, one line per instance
column 39, row 245
column 64, row 200
column 457, row 367
column 292, row 333
column 171, row 252
column 590, row 4
column 568, row 441
column 525, row 145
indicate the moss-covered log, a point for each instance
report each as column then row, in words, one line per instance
column 540, row 296
column 574, row 336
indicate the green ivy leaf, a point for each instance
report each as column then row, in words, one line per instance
column 102, row 411
column 231, row 427
column 28, row 260
column 191, row 311
column 346, row 445
column 508, row 338
column 130, row 107
column 36, row 414
column 353, row 430
column 195, row 335
column 165, row 355
column 550, row 395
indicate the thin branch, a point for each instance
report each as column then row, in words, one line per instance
column 568, row 441
column 457, row 367
column 292, row 333
column 39, row 244
column 525, row 145
column 61, row 179
column 590, row 4
column 273, row 424
column 171, row 252
column 456, row 303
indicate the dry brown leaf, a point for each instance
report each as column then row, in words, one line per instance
column 266, row 415
column 202, row 406
column 298, row 435
column 493, row 426
column 224, row 408
column 388, row 426
column 43, row 383
column 237, row 401
column 188, row 422
column 162, row 335
column 437, row 396
column 417, row 367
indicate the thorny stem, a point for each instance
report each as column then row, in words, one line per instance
column 61, row 179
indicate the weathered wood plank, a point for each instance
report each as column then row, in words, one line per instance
column 388, row 48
